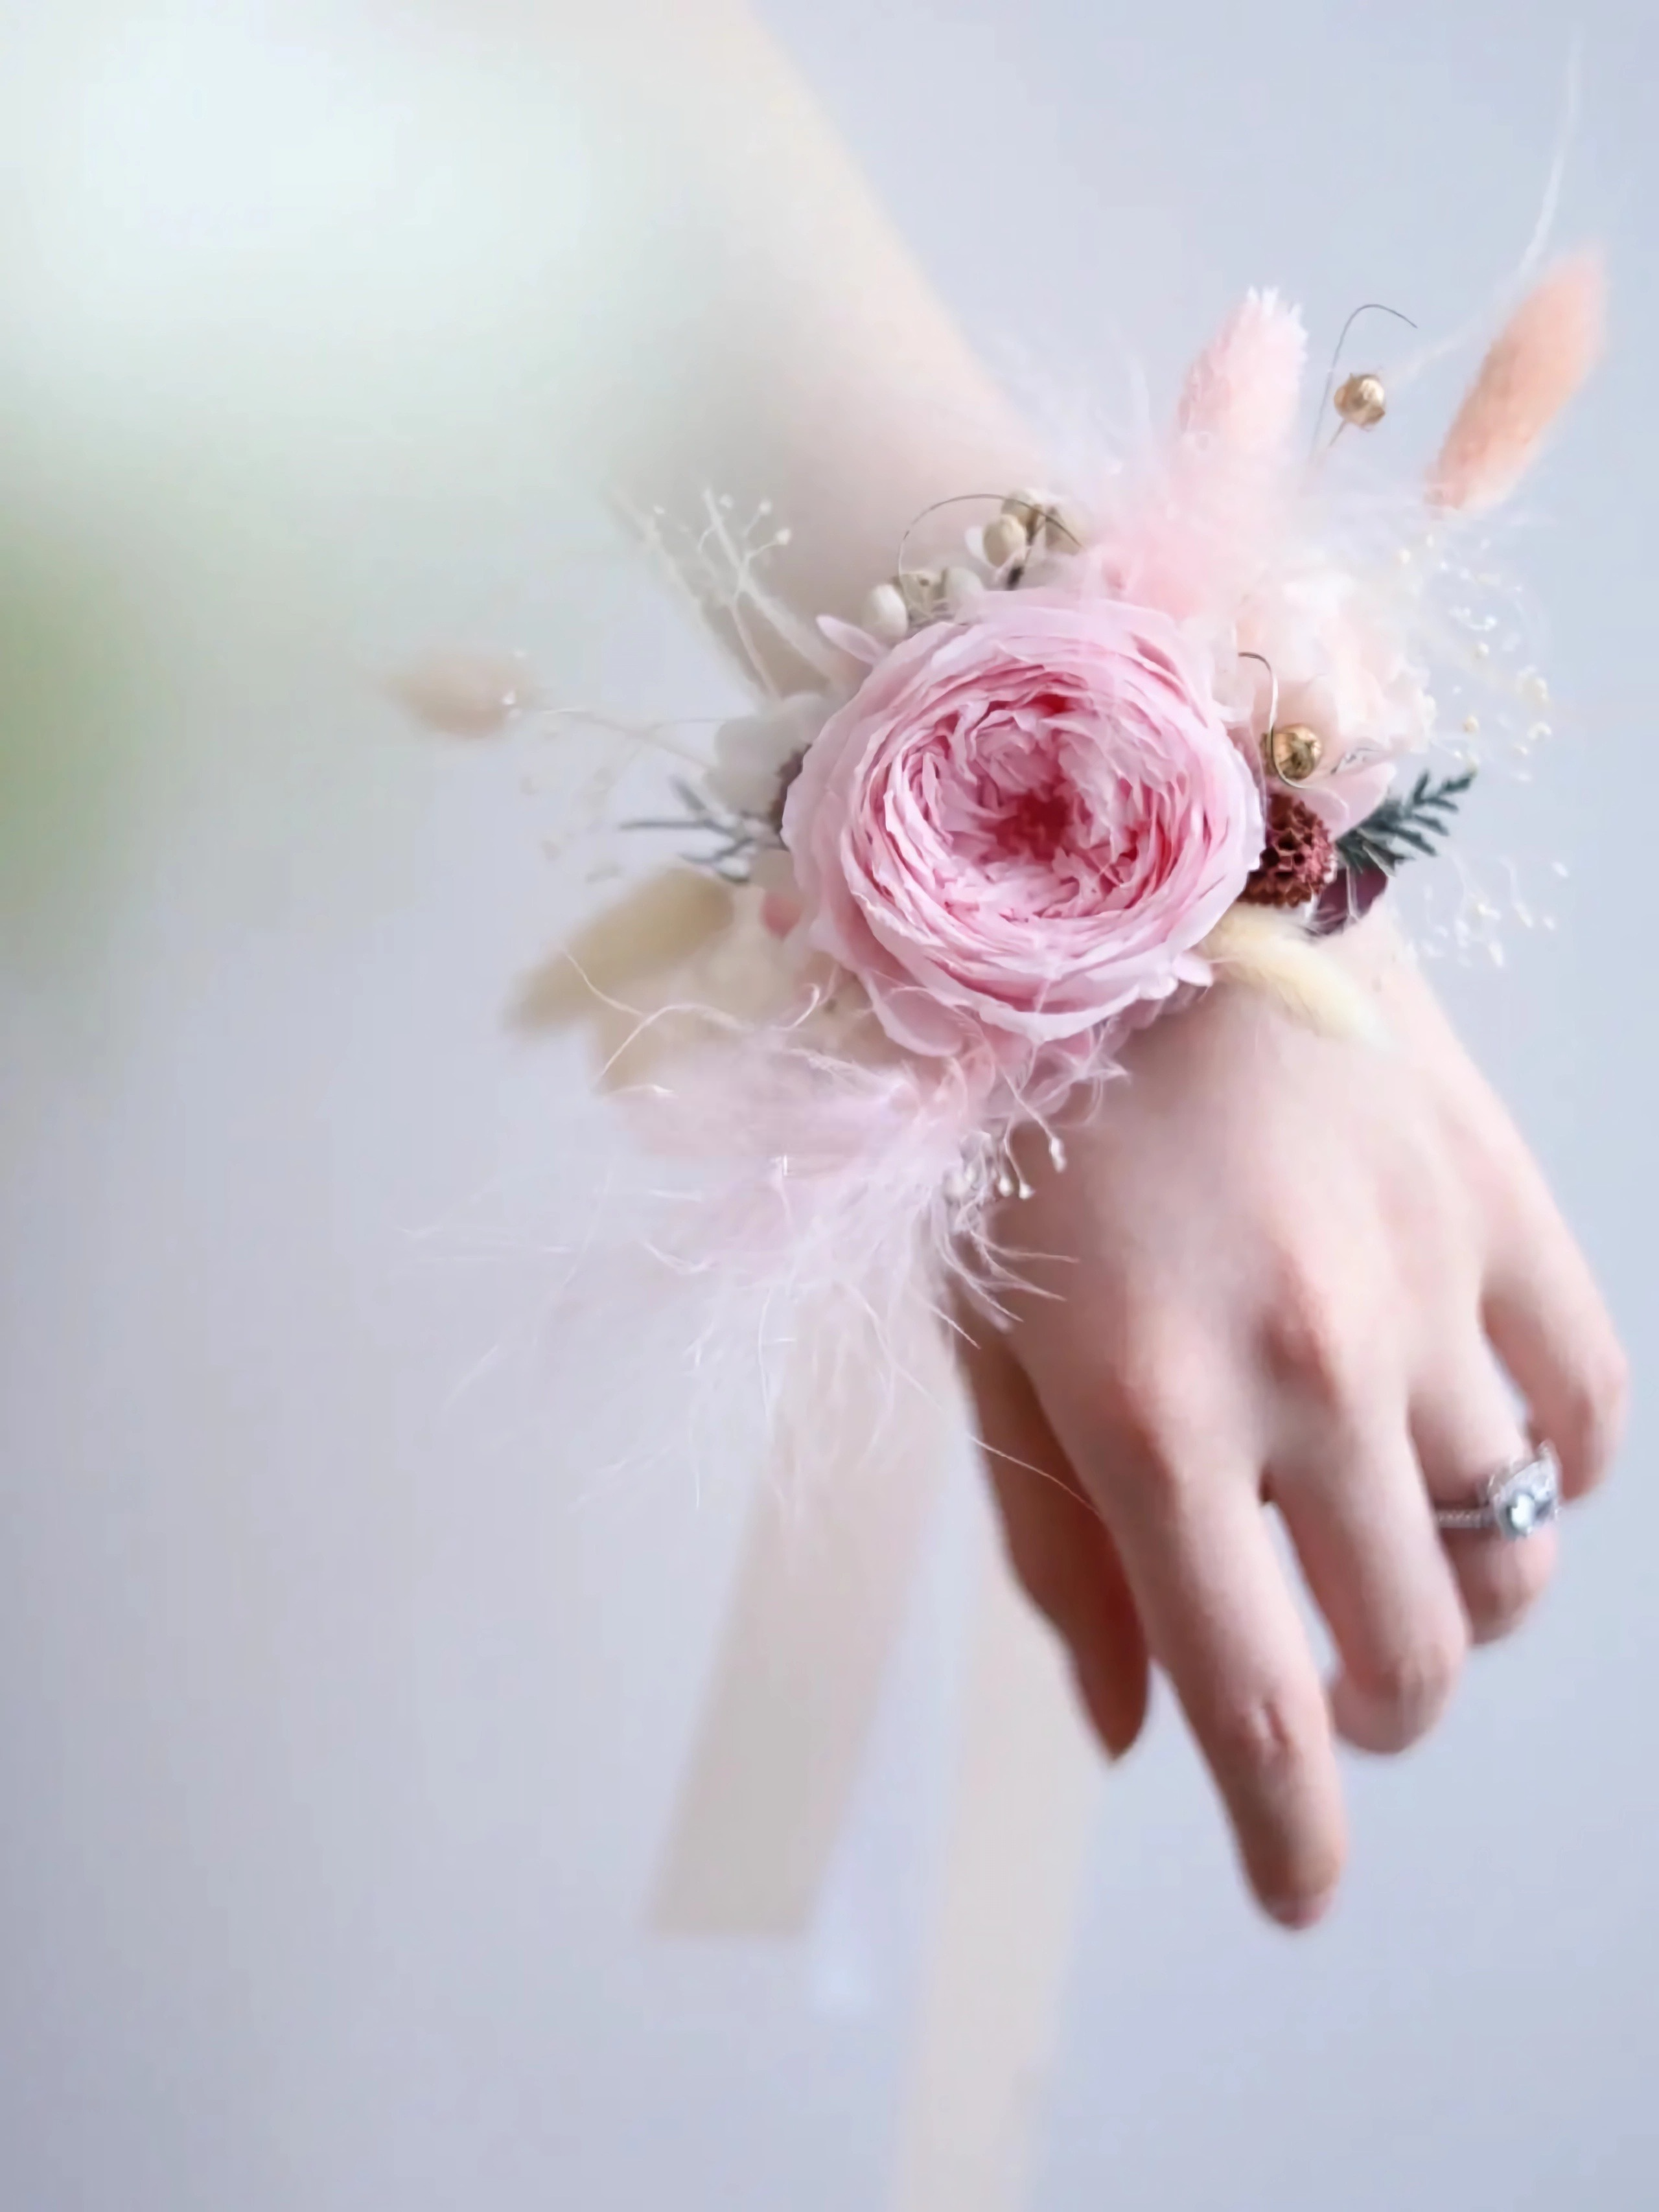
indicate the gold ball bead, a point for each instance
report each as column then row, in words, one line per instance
column 1362, row 401
column 1293, row 751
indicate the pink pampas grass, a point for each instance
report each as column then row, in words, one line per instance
column 1535, row 364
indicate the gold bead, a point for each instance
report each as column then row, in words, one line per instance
column 1293, row 751
column 1362, row 401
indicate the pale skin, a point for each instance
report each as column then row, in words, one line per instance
column 1288, row 1273
column 1279, row 1273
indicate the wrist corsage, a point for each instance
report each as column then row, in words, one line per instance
column 1045, row 791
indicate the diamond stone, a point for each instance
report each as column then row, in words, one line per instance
column 1522, row 1513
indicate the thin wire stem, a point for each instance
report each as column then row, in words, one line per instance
column 1272, row 693
column 1368, row 307
column 962, row 499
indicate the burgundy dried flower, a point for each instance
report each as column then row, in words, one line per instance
column 1298, row 859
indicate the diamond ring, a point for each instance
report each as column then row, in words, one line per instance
column 1519, row 1500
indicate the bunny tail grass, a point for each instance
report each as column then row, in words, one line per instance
column 1240, row 394
column 1269, row 951
column 1535, row 364
column 656, row 926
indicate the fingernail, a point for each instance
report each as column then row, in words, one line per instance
column 1115, row 1709
column 1299, row 1912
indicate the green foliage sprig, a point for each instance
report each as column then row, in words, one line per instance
column 1413, row 823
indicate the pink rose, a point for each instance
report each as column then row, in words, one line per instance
column 1020, row 825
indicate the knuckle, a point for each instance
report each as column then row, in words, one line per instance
column 1413, row 1680
column 1595, row 1411
column 1158, row 1462
column 1148, row 1442
column 1265, row 1748
column 1307, row 1344
column 1143, row 1349
column 1263, row 1738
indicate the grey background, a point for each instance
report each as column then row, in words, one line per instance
column 342, row 1681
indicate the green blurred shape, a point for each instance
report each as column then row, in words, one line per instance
column 68, row 753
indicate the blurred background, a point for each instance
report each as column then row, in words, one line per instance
column 347, row 1665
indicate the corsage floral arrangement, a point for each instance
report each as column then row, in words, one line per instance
column 1043, row 795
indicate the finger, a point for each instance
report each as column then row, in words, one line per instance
column 1364, row 1533
column 1059, row 1546
column 1466, row 1431
column 1221, row 1621
column 1547, row 1324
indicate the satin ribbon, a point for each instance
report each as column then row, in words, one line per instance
column 819, row 1604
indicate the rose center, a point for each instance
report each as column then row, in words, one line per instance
column 1038, row 824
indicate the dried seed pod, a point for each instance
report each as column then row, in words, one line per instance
column 1298, row 859
column 922, row 589
column 1005, row 540
column 886, row 615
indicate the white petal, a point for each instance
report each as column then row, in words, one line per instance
column 857, row 642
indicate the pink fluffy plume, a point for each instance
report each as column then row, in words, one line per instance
column 1216, row 513
column 1535, row 364
column 1239, row 403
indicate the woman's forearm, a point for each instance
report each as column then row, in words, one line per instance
column 761, row 330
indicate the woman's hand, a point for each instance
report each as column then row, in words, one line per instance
column 1281, row 1270
column 1279, row 1262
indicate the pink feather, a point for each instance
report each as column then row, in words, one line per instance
column 822, row 1202
column 1535, row 364
column 817, row 1166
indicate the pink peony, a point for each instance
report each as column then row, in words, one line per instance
column 1020, row 825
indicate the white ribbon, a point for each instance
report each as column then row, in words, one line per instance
column 820, row 1601
column 818, row 1608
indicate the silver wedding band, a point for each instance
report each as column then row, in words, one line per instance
column 1517, row 1501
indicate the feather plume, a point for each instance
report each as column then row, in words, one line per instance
column 1269, row 951
column 656, row 926
column 812, row 1193
column 1534, row 365
column 804, row 1153
column 820, row 1199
